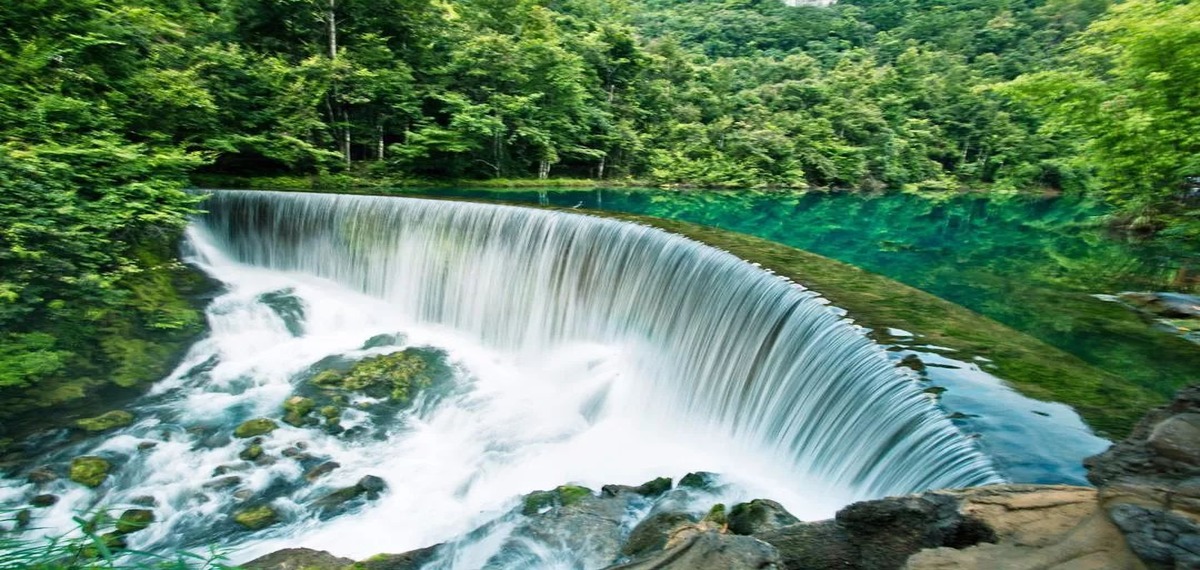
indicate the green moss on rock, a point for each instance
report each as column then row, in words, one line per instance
column 255, row 428
column 257, row 517
column 107, row 421
column 296, row 410
column 134, row 520
column 89, row 470
column 394, row 376
column 252, row 452
column 563, row 496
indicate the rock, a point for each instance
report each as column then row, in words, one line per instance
column 89, row 470
column 146, row 445
column 369, row 486
column 42, row 475
column 42, row 501
column 254, row 428
column 716, row 515
column 144, row 501
column 652, row 533
column 257, row 517
column 1177, row 438
column 134, row 520
column 759, row 515
column 540, row 501
column 886, row 532
column 1150, row 483
column 700, row 548
column 22, row 519
column 394, row 376
column 298, row 559
column 227, row 482
column 296, row 410
column 107, row 421
column 411, row 560
column 814, row 546
column 913, row 362
column 701, row 480
column 381, row 340
column 321, row 470
column 1170, row 305
column 111, row 541
column 648, row 489
column 252, row 452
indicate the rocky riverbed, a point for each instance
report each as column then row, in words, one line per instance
column 1143, row 513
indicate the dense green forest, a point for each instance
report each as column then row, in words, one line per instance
column 107, row 107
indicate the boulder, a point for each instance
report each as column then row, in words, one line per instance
column 1150, row 483
column 105, row 422
column 650, row 489
column 134, row 520
column 42, row 501
column 296, row 410
column 396, row 376
column 411, row 560
column 652, row 533
column 759, row 515
column 256, row 518
column 368, row 487
column 320, row 471
column 703, row 548
column 700, row 480
column 89, row 470
column 297, row 559
column 252, row 452
column 255, row 428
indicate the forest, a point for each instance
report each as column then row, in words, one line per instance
column 110, row 109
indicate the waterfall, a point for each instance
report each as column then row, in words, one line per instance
column 715, row 343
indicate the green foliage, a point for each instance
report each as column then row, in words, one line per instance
column 106, row 421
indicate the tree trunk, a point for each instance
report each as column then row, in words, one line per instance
column 543, row 169
column 379, row 148
column 331, row 17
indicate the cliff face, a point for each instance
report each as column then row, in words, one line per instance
column 1143, row 513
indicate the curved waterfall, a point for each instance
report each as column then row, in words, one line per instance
column 717, row 343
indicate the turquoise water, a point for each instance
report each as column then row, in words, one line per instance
column 1032, row 264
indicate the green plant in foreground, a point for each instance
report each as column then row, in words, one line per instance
column 87, row 548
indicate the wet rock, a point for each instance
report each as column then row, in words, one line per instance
column 296, row 410
column 144, row 501
column 648, row 489
column 700, row 480
column 227, row 482
column 759, row 515
column 288, row 307
column 716, row 515
column 104, row 422
column 252, row 452
column 254, row 428
column 396, row 376
column 913, row 362
column 381, row 340
column 701, row 548
column 887, row 531
column 112, row 542
column 42, row 475
column 224, row 469
column 256, row 518
column 134, row 520
column 243, row 495
column 298, row 559
column 565, row 495
column 22, row 519
column 43, row 501
column 814, row 546
column 146, row 445
column 89, row 470
column 321, row 470
column 652, row 533
column 368, row 487
column 411, row 560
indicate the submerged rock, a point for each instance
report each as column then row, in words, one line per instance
column 89, row 470
column 252, row 452
column 320, row 471
column 368, row 487
column 256, row 518
column 107, row 421
column 42, row 501
column 255, row 428
column 411, row 560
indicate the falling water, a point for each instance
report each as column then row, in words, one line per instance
column 573, row 349
column 717, row 342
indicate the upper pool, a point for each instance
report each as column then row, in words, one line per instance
column 1032, row 264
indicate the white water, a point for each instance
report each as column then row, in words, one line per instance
column 583, row 350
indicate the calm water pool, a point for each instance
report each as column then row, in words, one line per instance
column 1032, row 264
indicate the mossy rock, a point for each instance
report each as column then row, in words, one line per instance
column 111, row 541
column 394, row 376
column 134, row 520
column 257, row 517
column 702, row 480
column 89, row 470
column 255, row 428
column 252, row 452
column 296, row 410
column 563, row 496
column 105, row 422
column 716, row 514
